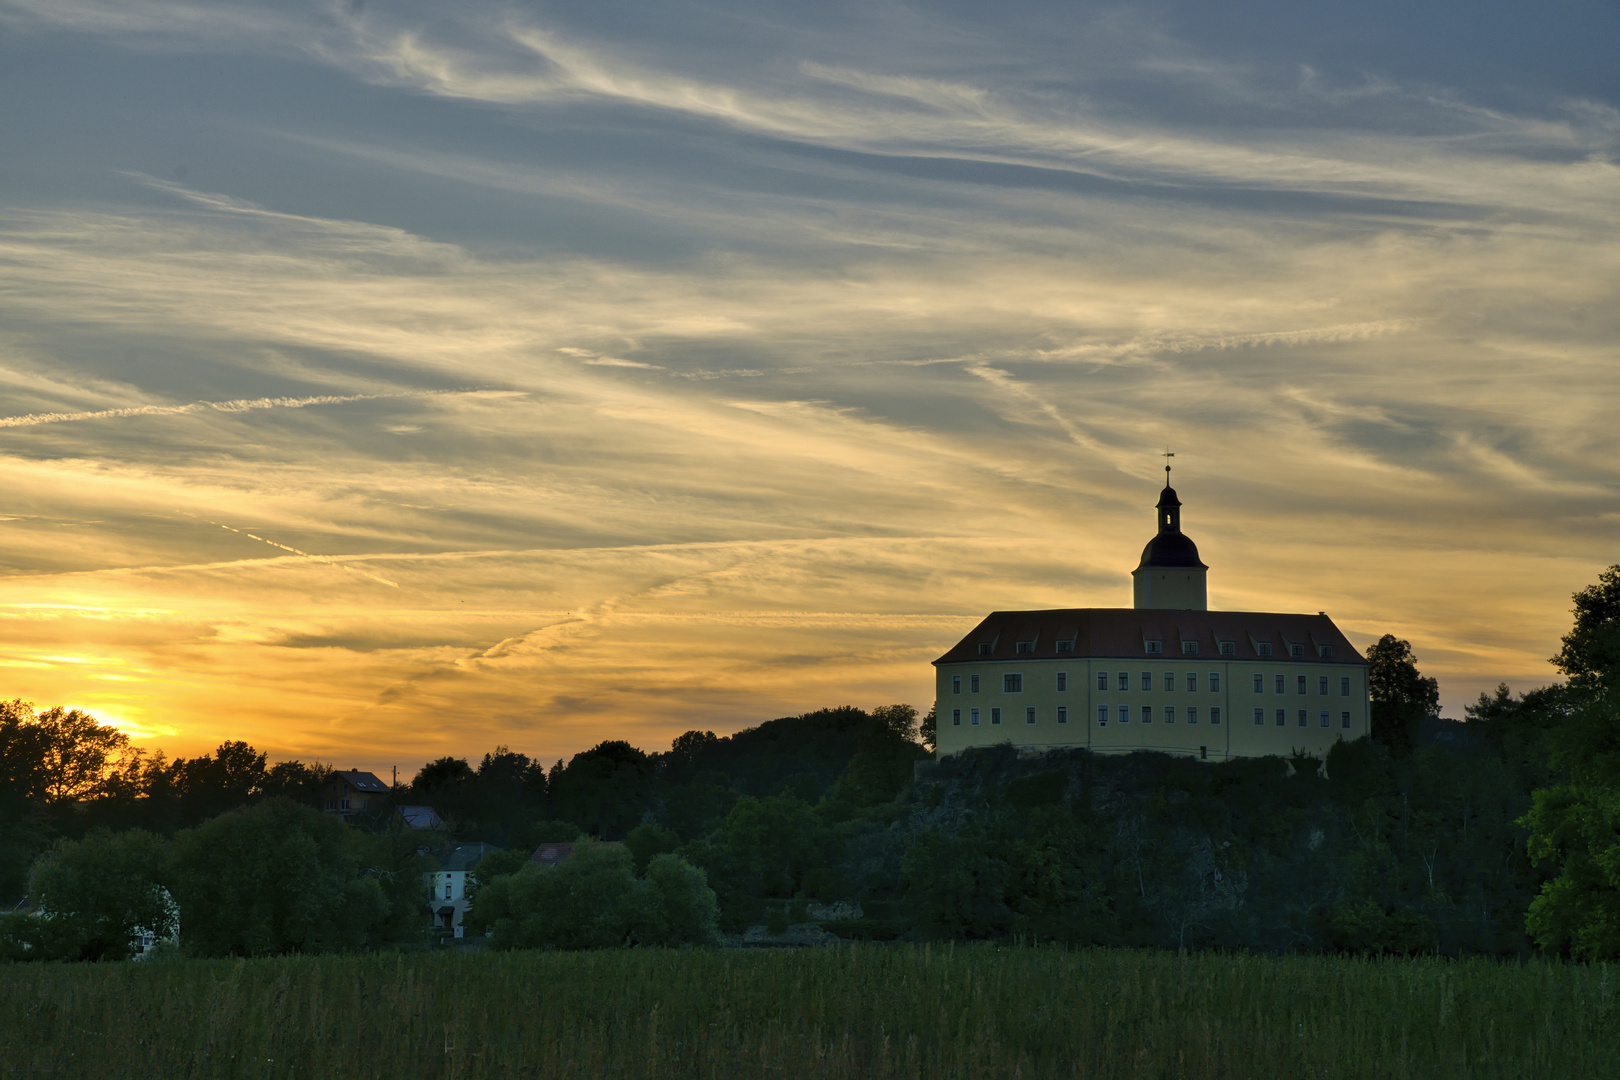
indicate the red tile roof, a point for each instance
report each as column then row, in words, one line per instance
column 1124, row 633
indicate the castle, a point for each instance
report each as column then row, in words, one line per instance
column 1167, row 674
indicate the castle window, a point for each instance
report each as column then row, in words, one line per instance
column 1262, row 648
column 1259, row 684
column 1169, row 680
column 1215, row 715
column 1102, row 716
column 1169, row 714
column 973, row 684
column 1147, row 714
column 1124, row 680
column 1296, row 651
column 1192, row 682
column 1024, row 648
column 1259, row 718
column 973, row 715
column 1282, row 717
column 1065, row 646
column 1203, row 753
column 956, row 684
column 1153, row 646
column 1321, row 686
column 1214, row 682
column 1302, row 684
column 1062, row 681
column 1344, row 686
column 1063, row 714
column 1189, row 648
column 1192, row 714
column 985, row 647
column 1012, row 684
column 1029, row 714
column 1344, row 720
column 956, row 718
column 1304, row 718
column 1228, row 648
column 1102, row 680
column 1147, row 680
column 995, row 716
column 1325, row 651
column 1325, row 720
column 1282, row 683
column 1124, row 714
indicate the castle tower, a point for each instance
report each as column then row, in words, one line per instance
column 1170, row 574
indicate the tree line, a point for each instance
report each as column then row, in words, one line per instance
column 1498, row 834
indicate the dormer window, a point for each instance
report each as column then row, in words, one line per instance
column 1296, row 651
column 1189, row 648
column 1262, row 648
column 1065, row 646
column 1153, row 646
column 985, row 647
column 1228, row 648
column 1325, row 652
column 1024, row 648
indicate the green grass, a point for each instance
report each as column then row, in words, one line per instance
column 851, row 1011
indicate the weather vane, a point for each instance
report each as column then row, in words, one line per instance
column 1167, row 456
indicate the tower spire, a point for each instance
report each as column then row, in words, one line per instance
column 1167, row 455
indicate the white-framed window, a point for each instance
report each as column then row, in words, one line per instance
column 1304, row 718
column 1344, row 686
column 1192, row 714
column 1147, row 714
column 1102, row 716
column 1189, row 648
column 1124, row 680
column 1325, row 719
column 956, row 718
column 1262, row 648
column 1281, row 682
column 1023, row 648
column 1321, row 685
column 343, row 804
column 447, row 888
column 956, row 684
column 1169, row 714
column 1344, row 720
column 1325, row 651
column 1062, row 681
column 985, row 647
column 1215, row 715
column 1302, row 684
column 973, row 684
column 1153, row 647
column 1063, row 714
column 1065, row 646
column 1259, row 718
column 1259, row 684
column 1102, row 680
column 1214, row 682
column 1169, row 680
column 995, row 716
column 1296, row 651
column 1012, row 683
column 1124, row 714
column 1192, row 682
column 1228, row 648
column 1147, row 680
column 1282, row 717
column 1029, row 714
column 973, row 717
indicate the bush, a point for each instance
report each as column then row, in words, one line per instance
column 97, row 895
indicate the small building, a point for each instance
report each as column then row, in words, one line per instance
column 1166, row 674
column 551, row 854
column 447, row 887
column 352, row 791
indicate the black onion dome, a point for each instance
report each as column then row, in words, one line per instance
column 1171, row 549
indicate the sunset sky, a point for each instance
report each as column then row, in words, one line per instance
column 384, row 380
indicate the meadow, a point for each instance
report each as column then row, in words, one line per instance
column 852, row 1011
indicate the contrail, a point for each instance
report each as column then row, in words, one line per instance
column 238, row 405
column 307, row 555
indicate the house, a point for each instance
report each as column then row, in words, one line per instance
column 419, row 817
column 352, row 792
column 1166, row 674
column 447, row 886
column 551, row 854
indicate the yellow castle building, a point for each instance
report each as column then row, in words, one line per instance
column 1167, row 674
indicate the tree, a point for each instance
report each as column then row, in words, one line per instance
column 1576, row 829
column 604, row 790
column 278, row 877
column 900, row 719
column 1590, row 654
column 98, row 894
column 1401, row 697
column 928, row 731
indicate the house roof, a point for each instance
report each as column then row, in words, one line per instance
column 361, row 781
column 420, row 817
column 465, row 856
column 1125, row 633
column 551, row 854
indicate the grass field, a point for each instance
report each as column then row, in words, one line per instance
column 853, row 1011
